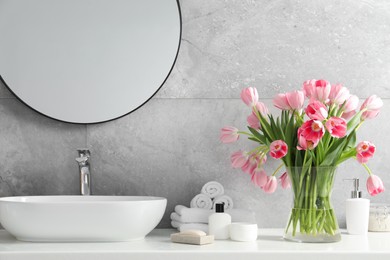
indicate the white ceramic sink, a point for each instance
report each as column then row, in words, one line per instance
column 81, row 218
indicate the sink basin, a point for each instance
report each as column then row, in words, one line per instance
column 81, row 218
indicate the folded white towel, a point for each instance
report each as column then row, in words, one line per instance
column 201, row 201
column 187, row 226
column 225, row 199
column 213, row 189
column 195, row 215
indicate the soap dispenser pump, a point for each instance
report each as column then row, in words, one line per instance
column 357, row 211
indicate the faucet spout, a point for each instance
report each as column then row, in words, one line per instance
column 84, row 170
column 85, row 183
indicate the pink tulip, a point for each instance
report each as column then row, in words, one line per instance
column 261, row 108
column 336, row 126
column 374, row 185
column 249, row 166
column 254, row 161
column 253, row 121
column 364, row 151
column 278, row 149
column 312, row 130
column 316, row 110
column 280, row 101
column 290, row 101
column 229, row 134
column 295, row 100
column 371, row 107
column 310, row 134
column 317, row 89
column 285, row 181
column 338, row 94
column 304, row 144
column 259, row 177
column 271, row 184
column 348, row 115
column 309, row 88
column 239, row 159
column 350, row 106
column 250, row 96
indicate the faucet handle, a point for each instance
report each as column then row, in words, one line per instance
column 82, row 159
column 84, row 152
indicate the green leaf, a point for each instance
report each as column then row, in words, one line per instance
column 346, row 155
column 290, row 131
column 266, row 128
column 331, row 158
column 351, row 140
column 277, row 131
column 254, row 139
column 298, row 157
column 308, row 162
column 354, row 121
column 260, row 138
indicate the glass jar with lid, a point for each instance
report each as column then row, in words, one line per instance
column 379, row 217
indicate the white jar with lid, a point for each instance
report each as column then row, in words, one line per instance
column 379, row 220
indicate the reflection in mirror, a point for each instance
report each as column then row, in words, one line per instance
column 87, row 61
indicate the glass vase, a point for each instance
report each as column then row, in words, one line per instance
column 312, row 217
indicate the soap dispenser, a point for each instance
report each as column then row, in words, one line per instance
column 357, row 211
column 219, row 223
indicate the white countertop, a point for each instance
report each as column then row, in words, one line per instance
column 157, row 246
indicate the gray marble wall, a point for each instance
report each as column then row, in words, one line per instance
column 170, row 146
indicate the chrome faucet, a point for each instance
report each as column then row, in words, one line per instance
column 84, row 169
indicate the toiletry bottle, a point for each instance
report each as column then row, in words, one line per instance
column 357, row 211
column 219, row 223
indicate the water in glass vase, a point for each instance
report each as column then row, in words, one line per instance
column 312, row 217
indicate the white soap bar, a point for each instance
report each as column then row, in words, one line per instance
column 241, row 231
column 194, row 237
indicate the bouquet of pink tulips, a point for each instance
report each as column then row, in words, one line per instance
column 316, row 130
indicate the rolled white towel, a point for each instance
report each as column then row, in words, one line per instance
column 201, row 201
column 225, row 199
column 194, row 215
column 212, row 189
column 187, row 226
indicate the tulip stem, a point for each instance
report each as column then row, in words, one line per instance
column 277, row 169
column 367, row 169
column 358, row 126
column 262, row 148
column 244, row 133
column 312, row 213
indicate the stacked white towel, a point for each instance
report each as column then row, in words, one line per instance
column 213, row 189
column 201, row 201
column 184, row 218
column 203, row 205
column 190, row 226
column 225, row 199
column 210, row 194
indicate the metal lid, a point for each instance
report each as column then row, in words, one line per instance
column 356, row 194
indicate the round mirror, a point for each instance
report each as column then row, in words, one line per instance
column 87, row 61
